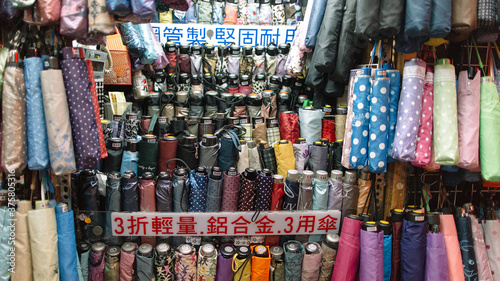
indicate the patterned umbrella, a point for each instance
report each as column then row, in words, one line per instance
column 198, row 191
column 360, row 119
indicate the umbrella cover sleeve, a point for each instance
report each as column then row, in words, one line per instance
column 489, row 131
column 130, row 161
column 147, row 195
column 97, row 114
column 81, row 110
column 277, row 270
column 346, row 152
column 96, row 266
column 60, row 138
column 318, row 158
column 413, row 243
column 127, row 261
column 395, row 77
column 371, row 257
column 198, row 192
column 360, row 121
column 311, row 124
column 387, row 256
column 449, row 231
column 410, row 105
column 243, row 161
column 311, row 265
column 334, row 195
column 350, row 199
column 291, row 196
column 284, row 157
column 14, row 148
column 397, row 232
column 328, row 257
column 379, row 123
column 113, row 200
column 293, row 262
column 289, row 126
column 36, row 130
column 230, row 193
column 42, row 227
column 301, row 153
column 264, row 189
column 436, row 262
column 254, row 158
column 214, row 195
column 483, row 266
column 346, row 266
column 464, row 232
column 185, row 266
column 468, row 108
column 491, row 229
column 423, row 151
column 145, row 267
column 445, row 115
column 224, row 267
column 22, row 244
column 148, row 158
column 164, row 195
column 166, row 151
column 247, row 194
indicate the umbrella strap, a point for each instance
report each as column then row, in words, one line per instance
column 242, row 267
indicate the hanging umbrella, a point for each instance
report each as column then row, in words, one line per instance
column 361, row 119
column 483, row 266
column 395, row 77
column 464, row 231
column 379, row 123
column 5, row 231
column 413, row 243
column 23, row 249
column 346, row 266
column 66, row 243
column 447, row 227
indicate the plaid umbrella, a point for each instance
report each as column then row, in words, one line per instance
column 268, row 159
column 81, row 109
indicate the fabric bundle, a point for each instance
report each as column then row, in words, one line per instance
column 83, row 124
column 60, row 139
column 410, row 105
column 346, row 268
column 360, row 119
column 424, row 140
column 230, row 192
column 445, row 114
column 284, row 158
column 42, row 227
column 371, row 257
column 14, row 149
column 379, row 123
column 489, row 131
column 198, row 192
column 468, row 109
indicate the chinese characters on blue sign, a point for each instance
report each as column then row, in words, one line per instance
column 223, row 34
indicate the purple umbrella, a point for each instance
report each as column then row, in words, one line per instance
column 371, row 260
column 436, row 262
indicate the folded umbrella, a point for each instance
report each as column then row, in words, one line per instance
column 379, row 123
column 95, row 101
column 243, row 161
column 436, row 263
column 311, row 124
column 66, row 243
column 230, row 191
column 268, row 158
column 491, row 229
column 347, row 140
column 455, row 267
column 312, row 262
column 371, row 258
column 214, row 194
column 264, row 189
column 284, row 157
column 164, row 193
column 397, row 232
column 247, row 192
column 489, row 131
column 229, row 150
column 301, row 152
column 395, row 77
column 346, row 266
column 361, row 119
column 318, row 157
column 387, row 256
column 198, row 191
column 289, row 126
column 424, row 139
column 22, row 243
column 167, row 149
column 148, row 157
column 464, row 232
column 113, row 201
column 483, row 266
column 413, row 243
column 293, row 261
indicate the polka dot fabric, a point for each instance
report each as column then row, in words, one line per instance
column 230, row 193
column 95, row 101
column 445, row 115
column 491, row 230
column 81, row 109
column 38, row 150
column 264, row 191
column 360, row 121
column 409, row 110
column 424, row 139
column 379, row 124
column 14, row 149
column 346, row 151
column 247, row 194
column 198, row 192
column 395, row 77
